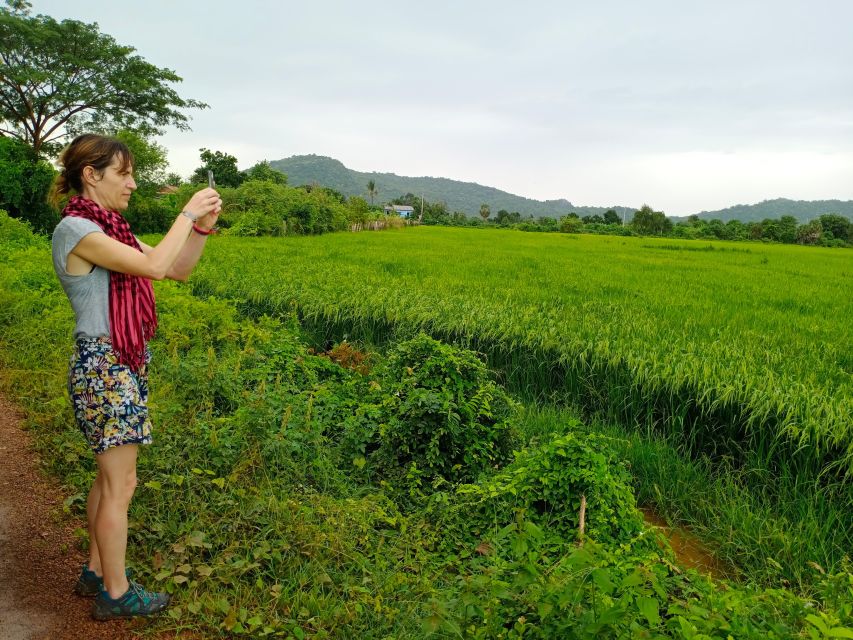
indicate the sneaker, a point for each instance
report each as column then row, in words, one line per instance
column 89, row 583
column 136, row 601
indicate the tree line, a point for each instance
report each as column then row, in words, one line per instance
column 830, row 229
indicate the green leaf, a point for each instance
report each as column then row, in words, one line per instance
column 431, row 623
column 649, row 607
column 601, row 577
column 818, row 622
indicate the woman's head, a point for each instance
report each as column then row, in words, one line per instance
column 99, row 168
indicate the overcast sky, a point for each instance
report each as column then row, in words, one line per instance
column 686, row 106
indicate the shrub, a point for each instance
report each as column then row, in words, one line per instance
column 436, row 413
column 150, row 214
column 545, row 485
column 255, row 223
column 16, row 234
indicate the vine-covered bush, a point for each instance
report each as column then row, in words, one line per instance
column 435, row 413
column 545, row 485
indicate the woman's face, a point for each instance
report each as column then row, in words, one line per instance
column 111, row 189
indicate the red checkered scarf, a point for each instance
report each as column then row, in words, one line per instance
column 133, row 319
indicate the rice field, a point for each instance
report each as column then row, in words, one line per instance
column 736, row 347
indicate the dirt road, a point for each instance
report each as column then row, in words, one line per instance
column 39, row 554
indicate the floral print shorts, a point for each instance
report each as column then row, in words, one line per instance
column 110, row 401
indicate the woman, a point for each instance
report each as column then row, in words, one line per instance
column 106, row 273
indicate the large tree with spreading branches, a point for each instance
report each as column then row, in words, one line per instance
column 58, row 78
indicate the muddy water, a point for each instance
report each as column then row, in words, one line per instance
column 689, row 551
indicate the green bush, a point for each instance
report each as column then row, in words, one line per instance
column 545, row 485
column 255, row 223
column 435, row 412
column 149, row 213
column 16, row 234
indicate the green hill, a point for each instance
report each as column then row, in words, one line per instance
column 802, row 210
column 459, row 196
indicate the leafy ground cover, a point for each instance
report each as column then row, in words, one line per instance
column 275, row 501
column 736, row 355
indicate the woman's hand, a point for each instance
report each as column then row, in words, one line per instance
column 203, row 204
column 208, row 221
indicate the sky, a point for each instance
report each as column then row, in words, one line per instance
column 685, row 106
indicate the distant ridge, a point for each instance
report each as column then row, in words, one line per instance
column 468, row 196
column 802, row 210
column 459, row 196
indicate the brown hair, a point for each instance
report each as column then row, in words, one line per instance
column 87, row 150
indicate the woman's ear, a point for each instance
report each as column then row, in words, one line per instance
column 89, row 175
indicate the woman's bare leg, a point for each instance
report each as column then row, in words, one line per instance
column 91, row 512
column 117, row 471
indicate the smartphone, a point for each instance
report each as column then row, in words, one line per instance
column 210, row 182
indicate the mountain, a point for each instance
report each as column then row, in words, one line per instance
column 459, row 196
column 802, row 210
column 468, row 196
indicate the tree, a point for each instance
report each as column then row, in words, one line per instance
column 787, row 227
column 770, row 229
column 647, row 221
column 60, row 77
column 570, row 224
column 173, row 180
column 358, row 210
column 838, row 226
column 149, row 158
column 24, row 184
column 611, row 217
column 485, row 212
column 810, row 233
column 372, row 191
column 736, row 230
column 264, row 172
column 502, row 216
column 223, row 165
column 436, row 213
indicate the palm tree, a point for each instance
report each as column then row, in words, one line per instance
column 372, row 191
column 485, row 212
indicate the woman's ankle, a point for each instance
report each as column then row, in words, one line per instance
column 117, row 590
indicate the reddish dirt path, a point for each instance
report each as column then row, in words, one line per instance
column 39, row 556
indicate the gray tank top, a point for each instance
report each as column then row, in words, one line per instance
column 89, row 293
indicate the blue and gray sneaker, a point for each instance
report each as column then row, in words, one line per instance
column 135, row 602
column 89, row 583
